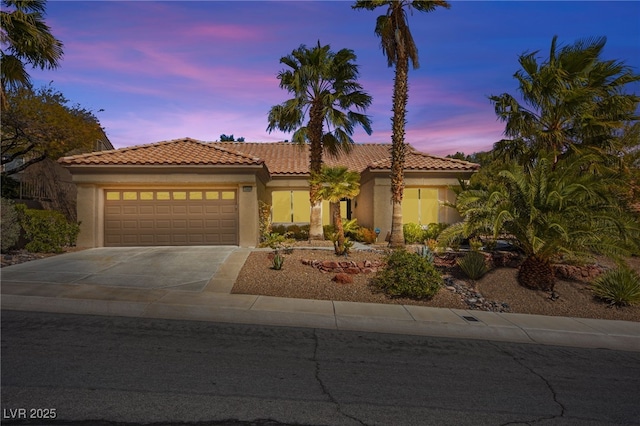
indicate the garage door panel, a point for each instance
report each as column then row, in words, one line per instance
column 175, row 209
column 170, row 217
column 129, row 210
column 162, row 209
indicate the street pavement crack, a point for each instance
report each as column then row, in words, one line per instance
column 547, row 384
column 324, row 388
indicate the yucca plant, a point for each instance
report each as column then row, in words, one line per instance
column 473, row 264
column 619, row 287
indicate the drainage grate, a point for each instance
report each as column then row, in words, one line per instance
column 470, row 319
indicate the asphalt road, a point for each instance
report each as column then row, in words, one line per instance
column 81, row 370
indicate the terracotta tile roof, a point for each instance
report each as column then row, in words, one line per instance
column 415, row 160
column 281, row 158
column 174, row 152
column 288, row 158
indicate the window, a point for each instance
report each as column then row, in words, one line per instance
column 113, row 196
column 420, row 205
column 228, row 195
column 290, row 206
column 294, row 206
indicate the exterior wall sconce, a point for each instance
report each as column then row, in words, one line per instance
column 247, row 188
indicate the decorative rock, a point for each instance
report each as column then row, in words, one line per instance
column 366, row 267
column 342, row 279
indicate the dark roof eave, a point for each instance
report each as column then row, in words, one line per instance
column 150, row 168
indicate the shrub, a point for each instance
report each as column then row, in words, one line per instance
column 366, row 235
column 48, row 231
column 433, row 230
column 10, row 227
column 264, row 214
column 298, row 232
column 473, row 264
column 408, row 275
column 328, row 231
column 278, row 229
column 619, row 286
column 412, row 233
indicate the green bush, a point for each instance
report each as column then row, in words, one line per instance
column 328, row 231
column 413, row 233
column 408, row 275
column 10, row 227
column 47, row 231
column 473, row 264
column 619, row 286
column 433, row 230
column 278, row 229
column 298, row 232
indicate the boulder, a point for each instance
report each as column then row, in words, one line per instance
column 342, row 278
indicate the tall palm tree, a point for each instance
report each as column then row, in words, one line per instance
column 325, row 89
column 336, row 183
column 25, row 39
column 547, row 212
column 399, row 48
column 572, row 101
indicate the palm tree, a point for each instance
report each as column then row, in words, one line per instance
column 336, row 183
column 26, row 39
column 398, row 46
column 547, row 212
column 573, row 102
column 324, row 88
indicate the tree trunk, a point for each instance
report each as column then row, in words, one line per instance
column 337, row 220
column 536, row 273
column 315, row 166
column 398, row 147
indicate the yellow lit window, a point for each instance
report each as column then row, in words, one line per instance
column 179, row 195
column 163, row 195
column 129, row 195
column 420, row 205
column 146, row 195
column 228, row 195
column 212, row 195
column 113, row 196
column 195, row 195
column 301, row 206
column 281, row 202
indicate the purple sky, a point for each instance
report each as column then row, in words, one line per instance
column 166, row 70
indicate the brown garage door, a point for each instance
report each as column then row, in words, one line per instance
column 170, row 217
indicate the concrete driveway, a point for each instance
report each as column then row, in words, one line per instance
column 170, row 268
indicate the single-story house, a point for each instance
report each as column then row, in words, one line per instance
column 190, row 192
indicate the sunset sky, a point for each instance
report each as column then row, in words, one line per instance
column 154, row 71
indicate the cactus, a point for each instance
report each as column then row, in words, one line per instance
column 278, row 261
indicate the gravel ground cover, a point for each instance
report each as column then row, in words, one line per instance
column 496, row 291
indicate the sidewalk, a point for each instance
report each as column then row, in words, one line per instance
column 215, row 303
